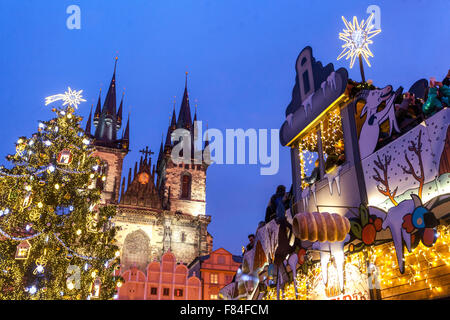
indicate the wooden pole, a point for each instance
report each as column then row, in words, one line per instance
column 361, row 68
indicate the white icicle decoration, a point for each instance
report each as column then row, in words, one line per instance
column 334, row 176
column 308, row 102
column 305, row 197
column 331, row 80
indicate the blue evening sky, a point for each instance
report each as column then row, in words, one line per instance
column 240, row 56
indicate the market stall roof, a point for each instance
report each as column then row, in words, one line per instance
column 316, row 89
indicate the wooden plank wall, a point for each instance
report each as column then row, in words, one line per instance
column 438, row 275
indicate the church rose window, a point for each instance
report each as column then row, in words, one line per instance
column 143, row 178
column 136, row 250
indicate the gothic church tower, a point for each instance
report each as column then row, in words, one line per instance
column 111, row 150
column 182, row 185
column 160, row 207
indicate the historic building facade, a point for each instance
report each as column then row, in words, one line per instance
column 216, row 270
column 163, row 280
column 161, row 207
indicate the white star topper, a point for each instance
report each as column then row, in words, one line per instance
column 72, row 98
column 357, row 39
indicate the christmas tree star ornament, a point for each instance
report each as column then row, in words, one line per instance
column 71, row 98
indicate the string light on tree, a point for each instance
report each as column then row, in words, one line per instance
column 51, row 191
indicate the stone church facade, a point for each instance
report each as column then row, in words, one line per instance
column 161, row 207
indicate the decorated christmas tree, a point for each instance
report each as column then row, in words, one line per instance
column 56, row 241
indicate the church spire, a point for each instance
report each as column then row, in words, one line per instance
column 184, row 117
column 206, row 150
column 171, row 128
column 126, row 135
column 109, row 107
column 88, row 123
column 119, row 113
column 195, row 115
column 173, row 123
column 98, row 109
column 107, row 126
column 161, row 150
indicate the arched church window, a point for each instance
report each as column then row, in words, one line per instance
column 186, row 186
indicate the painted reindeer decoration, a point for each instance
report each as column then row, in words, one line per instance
column 407, row 217
column 370, row 130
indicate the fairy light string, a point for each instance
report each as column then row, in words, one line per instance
column 423, row 268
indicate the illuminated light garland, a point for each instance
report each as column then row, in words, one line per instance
column 306, row 146
column 331, row 135
column 3, row 233
column 51, row 168
column 418, row 263
column 57, row 238
column 77, row 254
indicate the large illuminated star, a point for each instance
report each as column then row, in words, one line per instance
column 357, row 39
column 72, row 98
